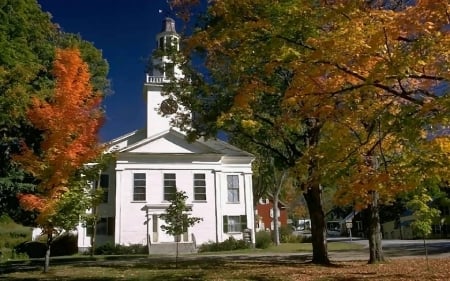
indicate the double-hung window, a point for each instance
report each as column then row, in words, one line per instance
column 170, row 186
column 233, row 188
column 104, row 185
column 139, row 187
column 105, row 226
column 234, row 223
column 199, row 187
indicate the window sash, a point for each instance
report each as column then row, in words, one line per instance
column 233, row 188
column 234, row 223
column 199, row 187
column 104, row 184
column 105, row 226
column 139, row 187
column 170, row 186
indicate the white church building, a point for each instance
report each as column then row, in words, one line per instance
column 154, row 162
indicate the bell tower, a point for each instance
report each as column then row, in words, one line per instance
column 161, row 71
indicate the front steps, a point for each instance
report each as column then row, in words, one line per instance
column 170, row 248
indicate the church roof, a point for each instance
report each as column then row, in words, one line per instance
column 168, row 25
column 172, row 142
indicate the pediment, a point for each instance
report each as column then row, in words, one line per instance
column 170, row 142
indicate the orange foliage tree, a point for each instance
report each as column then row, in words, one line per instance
column 69, row 121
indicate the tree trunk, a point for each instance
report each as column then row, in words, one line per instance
column 176, row 256
column 313, row 198
column 93, row 236
column 276, row 229
column 375, row 246
column 47, row 252
column 276, row 196
column 312, row 191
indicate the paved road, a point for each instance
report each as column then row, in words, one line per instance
column 395, row 248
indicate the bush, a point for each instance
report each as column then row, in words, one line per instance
column 111, row 249
column 263, row 239
column 285, row 233
column 305, row 239
column 228, row 245
column 64, row 245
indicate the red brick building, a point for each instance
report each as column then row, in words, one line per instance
column 264, row 214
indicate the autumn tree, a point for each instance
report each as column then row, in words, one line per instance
column 70, row 121
column 395, row 89
column 28, row 43
column 365, row 76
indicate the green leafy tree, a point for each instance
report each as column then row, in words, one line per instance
column 27, row 51
column 424, row 216
column 28, row 39
column 177, row 219
column 91, row 177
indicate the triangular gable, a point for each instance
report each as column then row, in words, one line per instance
column 168, row 142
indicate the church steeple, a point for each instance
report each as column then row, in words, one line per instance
column 167, row 42
column 161, row 71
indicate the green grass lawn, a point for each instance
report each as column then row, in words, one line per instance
column 223, row 268
column 11, row 234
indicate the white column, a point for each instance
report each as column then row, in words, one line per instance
column 249, row 208
column 118, row 214
column 218, row 205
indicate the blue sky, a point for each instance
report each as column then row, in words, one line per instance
column 125, row 32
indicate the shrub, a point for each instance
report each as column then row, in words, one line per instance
column 285, row 233
column 111, row 249
column 263, row 239
column 64, row 245
column 228, row 245
column 305, row 239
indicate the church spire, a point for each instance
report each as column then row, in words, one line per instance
column 168, row 25
column 162, row 70
column 162, row 67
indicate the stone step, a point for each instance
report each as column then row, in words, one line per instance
column 170, row 248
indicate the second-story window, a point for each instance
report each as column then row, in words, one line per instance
column 170, row 186
column 199, row 187
column 233, row 188
column 139, row 187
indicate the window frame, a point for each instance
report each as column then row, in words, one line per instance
column 137, row 196
column 168, row 194
column 238, row 225
column 105, row 226
column 104, row 185
column 233, row 192
column 197, row 186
